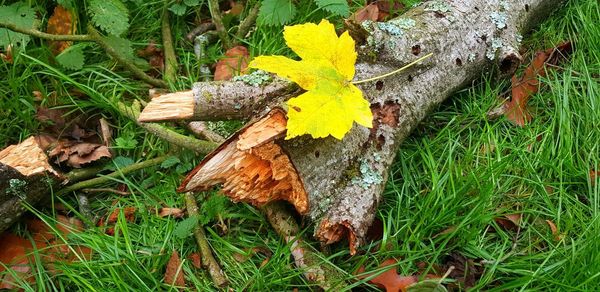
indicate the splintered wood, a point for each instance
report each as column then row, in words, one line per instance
column 28, row 158
column 170, row 106
column 252, row 168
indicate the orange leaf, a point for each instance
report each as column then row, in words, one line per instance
column 527, row 85
column 510, row 221
column 369, row 12
column 174, row 212
column 234, row 63
column 63, row 22
column 196, row 260
column 173, row 274
column 554, row 230
column 390, row 280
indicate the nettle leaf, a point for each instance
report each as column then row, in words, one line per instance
column 331, row 103
column 72, row 58
column 276, row 12
column 171, row 161
column 191, row 2
column 212, row 207
column 178, row 9
column 21, row 15
column 110, row 15
column 123, row 46
column 185, row 227
column 337, row 7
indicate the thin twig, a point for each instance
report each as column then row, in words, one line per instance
column 48, row 36
column 105, row 190
column 213, row 6
column 199, row 146
column 208, row 260
column 106, row 178
column 139, row 73
column 314, row 265
column 170, row 72
column 248, row 22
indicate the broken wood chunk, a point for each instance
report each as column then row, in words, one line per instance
column 170, row 106
column 25, row 177
column 259, row 174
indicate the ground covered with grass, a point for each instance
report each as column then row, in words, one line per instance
column 454, row 180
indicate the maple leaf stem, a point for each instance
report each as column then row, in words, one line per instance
column 395, row 71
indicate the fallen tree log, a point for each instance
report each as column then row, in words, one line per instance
column 338, row 184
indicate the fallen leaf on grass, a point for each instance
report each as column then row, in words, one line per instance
column 554, row 230
column 594, row 175
column 75, row 154
column 369, row 12
column 331, row 103
column 174, row 272
column 62, row 22
column 510, row 221
column 128, row 212
column 524, row 87
column 234, row 63
column 174, row 212
column 196, row 260
column 16, row 253
column 154, row 55
column 390, row 280
column 466, row 272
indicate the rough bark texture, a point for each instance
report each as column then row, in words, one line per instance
column 344, row 179
column 25, row 178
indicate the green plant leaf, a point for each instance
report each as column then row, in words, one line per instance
column 122, row 46
column 276, row 12
column 191, row 3
column 72, row 58
column 125, row 142
column 110, row 15
column 172, row 160
column 186, row 227
column 212, row 207
column 337, row 7
column 19, row 14
column 119, row 162
column 177, row 9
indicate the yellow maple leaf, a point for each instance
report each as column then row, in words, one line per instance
column 331, row 102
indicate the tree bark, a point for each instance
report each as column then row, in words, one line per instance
column 25, row 178
column 343, row 180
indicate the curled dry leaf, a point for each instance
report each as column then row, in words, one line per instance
column 76, row 154
column 174, row 272
column 527, row 85
column 369, row 12
column 62, row 22
column 234, row 63
column 174, row 212
column 154, row 55
column 510, row 221
column 554, row 230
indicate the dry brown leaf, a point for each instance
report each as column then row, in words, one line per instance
column 525, row 86
column 154, row 55
column 174, row 272
column 388, row 9
column 554, row 230
column 7, row 56
column 466, row 272
column 234, row 63
column 369, row 12
column 16, row 251
column 594, row 175
column 236, row 8
column 510, row 221
column 128, row 212
column 61, row 22
column 389, row 280
column 196, row 260
column 76, row 154
column 174, row 212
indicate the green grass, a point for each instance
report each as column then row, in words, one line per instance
column 458, row 170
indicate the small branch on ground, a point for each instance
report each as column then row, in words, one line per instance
column 106, row 178
column 213, row 6
column 248, row 22
column 48, row 36
column 105, row 190
column 202, row 131
column 316, row 268
column 170, row 73
column 208, row 260
column 199, row 146
column 139, row 73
